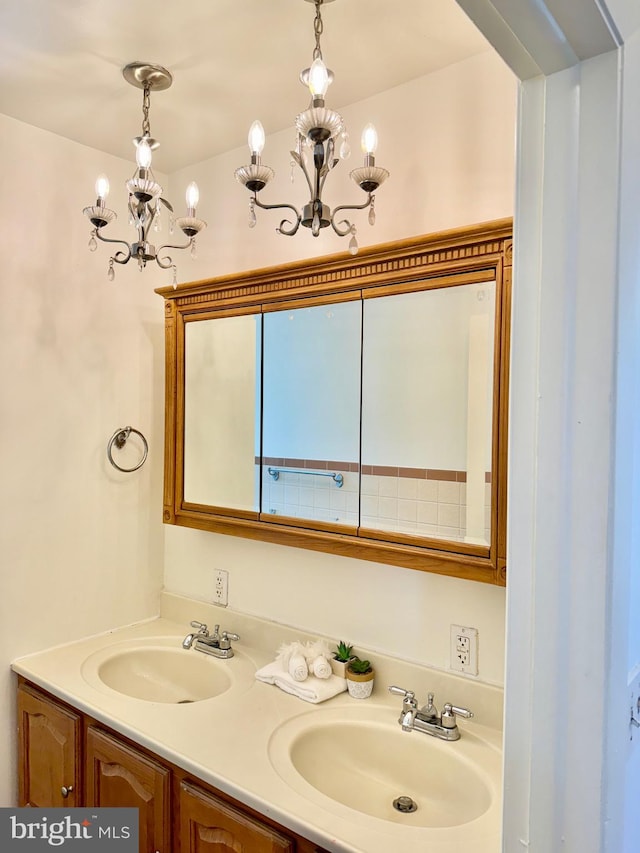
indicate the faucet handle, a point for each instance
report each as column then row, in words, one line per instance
column 449, row 713
column 200, row 627
column 225, row 639
column 229, row 635
column 409, row 697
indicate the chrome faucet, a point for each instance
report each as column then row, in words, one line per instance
column 217, row 644
column 427, row 719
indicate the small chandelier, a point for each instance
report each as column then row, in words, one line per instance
column 145, row 193
column 322, row 141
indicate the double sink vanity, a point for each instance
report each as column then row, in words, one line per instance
column 219, row 761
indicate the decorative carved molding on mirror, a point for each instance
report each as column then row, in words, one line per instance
column 352, row 405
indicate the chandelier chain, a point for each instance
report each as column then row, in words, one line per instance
column 146, row 103
column 318, row 28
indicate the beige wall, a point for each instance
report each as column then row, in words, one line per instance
column 449, row 141
column 80, row 544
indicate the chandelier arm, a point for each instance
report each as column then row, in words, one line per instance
column 119, row 257
column 342, row 232
column 282, row 227
column 322, row 177
column 143, row 215
column 301, row 161
column 166, row 263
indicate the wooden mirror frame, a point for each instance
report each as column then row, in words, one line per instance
column 461, row 254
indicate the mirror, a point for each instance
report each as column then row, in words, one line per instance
column 222, row 411
column 426, row 436
column 311, row 414
column 350, row 405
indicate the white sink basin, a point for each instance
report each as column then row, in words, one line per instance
column 362, row 760
column 162, row 671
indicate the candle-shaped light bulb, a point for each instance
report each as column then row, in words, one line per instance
column 143, row 154
column 102, row 187
column 256, row 138
column 192, row 196
column 369, row 141
column 318, row 78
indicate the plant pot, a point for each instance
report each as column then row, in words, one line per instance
column 339, row 667
column 360, row 685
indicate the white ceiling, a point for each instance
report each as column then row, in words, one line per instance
column 232, row 61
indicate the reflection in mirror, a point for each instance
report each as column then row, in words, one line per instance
column 428, row 360
column 311, row 412
column 222, row 411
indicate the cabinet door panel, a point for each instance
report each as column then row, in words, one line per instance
column 118, row 775
column 209, row 825
column 49, row 749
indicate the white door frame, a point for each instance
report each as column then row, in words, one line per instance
column 574, row 481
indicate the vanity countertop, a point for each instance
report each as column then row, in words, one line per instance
column 228, row 741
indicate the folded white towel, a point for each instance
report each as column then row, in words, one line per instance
column 298, row 669
column 312, row 690
column 320, row 667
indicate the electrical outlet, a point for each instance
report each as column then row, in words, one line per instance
column 221, row 588
column 464, row 650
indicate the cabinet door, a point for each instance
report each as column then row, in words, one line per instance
column 48, row 752
column 118, row 775
column 209, row 825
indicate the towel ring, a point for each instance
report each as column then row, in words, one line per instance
column 119, row 438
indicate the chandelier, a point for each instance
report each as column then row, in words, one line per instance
column 145, row 193
column 321, row 142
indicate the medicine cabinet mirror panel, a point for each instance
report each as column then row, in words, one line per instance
column 352, row 405
column 427, row 435
column 222, row 411
column 311, row 412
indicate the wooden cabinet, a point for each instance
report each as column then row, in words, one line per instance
column 118, row 775
column 210, row 825
column 49, row 743
column 59, row 747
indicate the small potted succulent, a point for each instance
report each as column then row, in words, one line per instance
column 360, row 675
column 340, row 659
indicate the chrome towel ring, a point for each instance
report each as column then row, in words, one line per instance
column 119, row 438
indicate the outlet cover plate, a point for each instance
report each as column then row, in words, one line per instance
column 221, row 588
column 464, row 650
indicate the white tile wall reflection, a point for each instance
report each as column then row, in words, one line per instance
column 435, row 508
column 314, row 497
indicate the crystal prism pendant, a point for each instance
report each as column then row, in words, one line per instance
column 111, row 274
column 372, row 213
column 175, row 276
column 353, row 243
column 252, row 216
column 172, row 223
column 194, row 250
column 315, row 225
column 345, row 148
column 93, row 245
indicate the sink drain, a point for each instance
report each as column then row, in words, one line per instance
column 184, row 702
column 405, row 804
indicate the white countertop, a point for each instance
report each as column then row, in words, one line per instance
column 225, row 741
